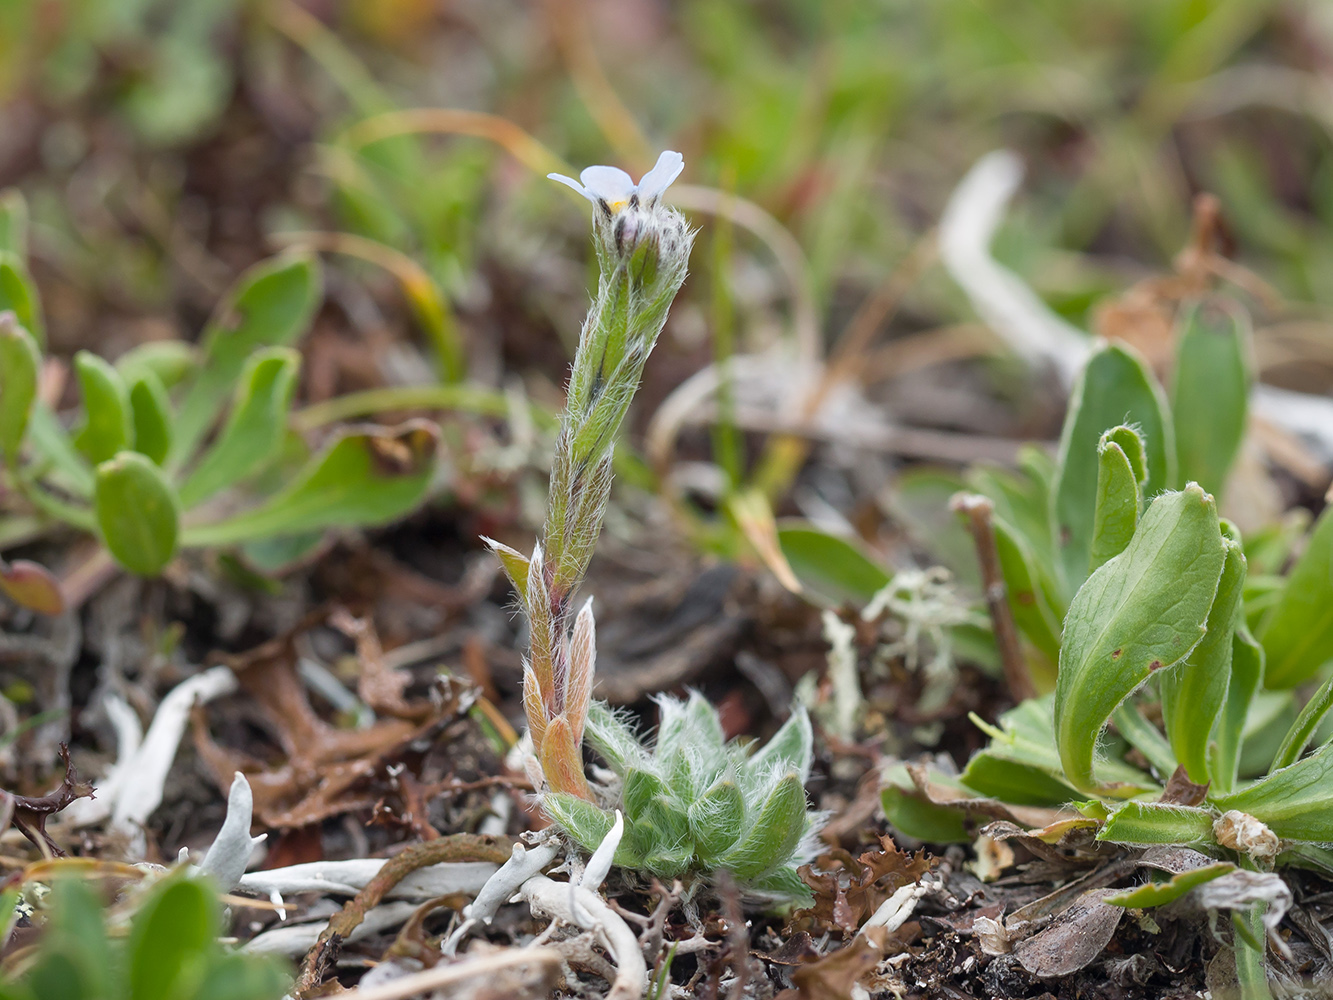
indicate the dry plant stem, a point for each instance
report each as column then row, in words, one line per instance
column 458, row 847
column 978, row 511
column 547, row 960
column 454, row 121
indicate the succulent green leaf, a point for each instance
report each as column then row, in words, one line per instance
column 833, row 569
column 1141, row 612
column 108, row 425
column 170, row 940
column 362, row 478
column 716, row 820
column 172, row 361
column 1118, row 499
column 1026, row 738
column 1210, row 395
column 255, row 427
column 20, row 362
column 14, row 223
column 1114, row 388
column 777, row 830
column 913, row 816
column 271, row 305
column 792, row 746
column 1296, row 802
column 1247, row 670
column 1169, row 890
column 19, row 294
column 1146, row 823
column 137, row 513
column 1303, row 729
column 998, row 776
column 1297, row 632
column 151, row 411
column 1193, row 694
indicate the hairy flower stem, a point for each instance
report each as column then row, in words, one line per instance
column 643, row 250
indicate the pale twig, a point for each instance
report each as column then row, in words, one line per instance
column 443, row 976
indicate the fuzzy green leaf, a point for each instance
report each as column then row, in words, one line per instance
column 791, row 746
column 1210, row 395
column 1297, row 633
column 151, row 412
column 1296, row 802
column 137, row 513
column 255, row 427
column 108, row 425
column 1193, row 694
column 271, row 305
column 1169, row 890
column 362, row 478
column 1146, row 823
column 777, row 830
column 717, row 820
column 1118, row 498
column 1141, row 612
column 612, row 737
column 582, row 820
column 1114, row 388
column 20, row 362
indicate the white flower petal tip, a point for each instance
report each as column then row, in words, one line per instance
column 655, row 182
column 612, row 187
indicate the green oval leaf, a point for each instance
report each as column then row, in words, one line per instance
column 362, row 478
column 19, row 294
column 271, row 305
column 253, row 434
column 1210, row 394
column 830, row 568
column 170, row 940
column 1297, row 632
column 108, row 423
column 1114, row 388
column 1141, row 612
column 1145, row 823
column 14, row 223
column 151, row 411
column 1169, row 890
column 137, row 512
column 1116, row 512
column 20, row 362
column 1193, row 694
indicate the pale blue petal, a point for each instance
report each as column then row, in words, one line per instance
column 668, row 168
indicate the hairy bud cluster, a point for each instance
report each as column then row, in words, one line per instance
column 697, row 804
